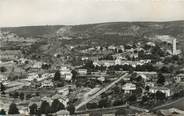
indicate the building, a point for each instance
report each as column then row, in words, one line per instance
column 37, row 65
column 32, row 76
column 68, row 76
column 64, row 70
column 47, row 83
column 174, row 47
column 129, row 87
column 82, row 71
column 179, row 78
column 106, row 63
column 165, row 90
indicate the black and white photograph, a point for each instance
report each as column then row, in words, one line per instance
column 91, row 57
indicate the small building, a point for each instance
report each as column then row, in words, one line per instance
column 111, row 47
column 64, row 70
column 84, row 58
column 129, row 87
column 37, row 65
column 150, row 84
column 47, row 83
column 68, row 76
column 165, row 90
column 32, row 76
column 102, row 79
column 151, row 44
column 106, row 63
column 179, row 78
column 82, row 71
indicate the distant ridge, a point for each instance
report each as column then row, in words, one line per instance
column 174, row 28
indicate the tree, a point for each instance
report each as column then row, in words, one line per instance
column 45, row 108
column 2, row 88
column 28, row 96
column 161, row 79
column 89, row 65
column 57, row 76
column 74, row 75
column 2, row 112
column 160, row 95
column 71, row 108
column 21, row 96
column 103, row 103
column 33, row 109
column 3, row 69
column 13, row 109
column 144, row 99
column 16, row 95
column 56, row 106
column 122, row 112
column 91, row 105
column 147, row 88
column 132, row 98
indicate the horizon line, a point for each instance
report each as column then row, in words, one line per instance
column 151, row 21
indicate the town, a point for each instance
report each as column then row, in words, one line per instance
column 97, row 80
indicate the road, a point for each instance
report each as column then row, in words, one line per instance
column 112, row 109
column 179, row 103
column 21, row 84
column 100, row 92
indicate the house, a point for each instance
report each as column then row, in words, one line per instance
column 129, row 87
column 111, row 47
column 82, row 71
column 102, row 79
column 122, row 47
column 23, row 60
column 179, row 78
column 165, row 90
column 37, row 65
column 150, row 84
column 143, row 76
column 3, row 77
column 133, row 55
column 47, row 83
column 68, row 76
column 84, row 58
column 118, row 61
column 151, row 44
column 106, row 63
column 32, row 76
column 64, row 70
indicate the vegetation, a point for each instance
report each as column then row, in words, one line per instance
column 13, row 109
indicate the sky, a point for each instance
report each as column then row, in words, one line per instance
column 74, row 12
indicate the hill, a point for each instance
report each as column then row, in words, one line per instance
column 55, row 38
column 33, row 31
column 138, row 29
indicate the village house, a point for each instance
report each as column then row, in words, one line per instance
column 82, row 71
column 106, row 63
column 47, row 83
column 129, row 87
column 66, row 73
column 150, row 84
column 68, row 76
column 165, row 90
column 37, row 65
column 84, row 58
column 32, row 76
column 3, row 78
column 179, row 78
column 111, row 47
